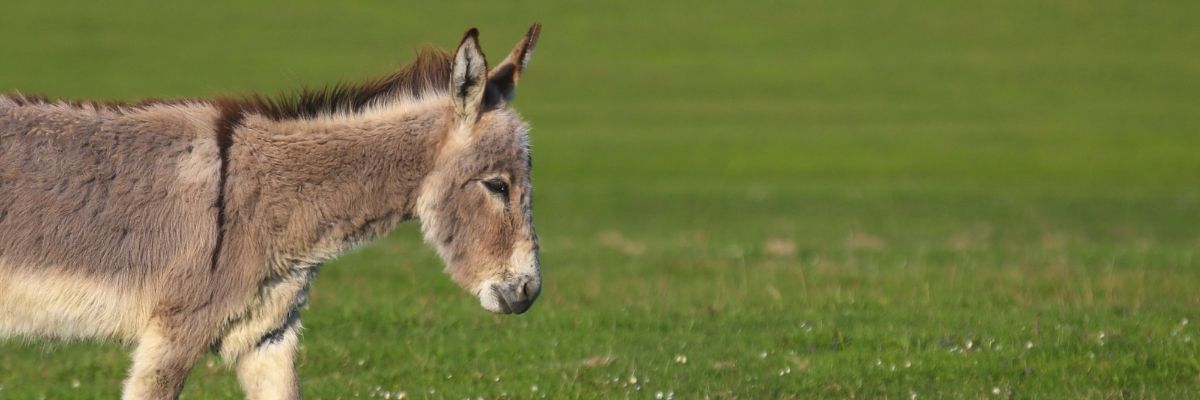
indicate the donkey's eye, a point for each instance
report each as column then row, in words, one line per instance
column 497, row 186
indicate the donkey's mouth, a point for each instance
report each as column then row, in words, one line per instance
column 505, row 308
column 515, row 300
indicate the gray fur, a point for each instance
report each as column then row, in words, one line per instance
column 132, row 223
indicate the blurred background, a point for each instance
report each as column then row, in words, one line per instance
column 767, row 199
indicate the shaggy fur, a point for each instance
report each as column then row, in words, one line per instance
column 193, row 225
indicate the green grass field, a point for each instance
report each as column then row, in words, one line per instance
column 826, row 199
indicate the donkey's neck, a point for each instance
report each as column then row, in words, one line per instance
column 316, row 187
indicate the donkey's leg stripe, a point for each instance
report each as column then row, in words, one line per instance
column 277, row 335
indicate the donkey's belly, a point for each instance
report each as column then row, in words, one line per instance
column 58, row 306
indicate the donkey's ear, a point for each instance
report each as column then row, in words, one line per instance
column 506, row 75
column 469, row 77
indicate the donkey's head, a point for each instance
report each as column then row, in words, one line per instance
column 475, row 204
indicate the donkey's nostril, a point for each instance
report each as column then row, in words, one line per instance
column 533, row 287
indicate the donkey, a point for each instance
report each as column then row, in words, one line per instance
column 197, row 225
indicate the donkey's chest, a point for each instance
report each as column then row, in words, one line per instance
column 273, row 309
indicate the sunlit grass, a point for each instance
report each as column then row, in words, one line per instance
column 768, row 200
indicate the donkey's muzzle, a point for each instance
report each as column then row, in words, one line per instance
column 517, row 298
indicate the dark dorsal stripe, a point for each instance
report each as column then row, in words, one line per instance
column 428, row 74
column 115, row 106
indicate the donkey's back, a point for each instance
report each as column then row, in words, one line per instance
column 96, row 202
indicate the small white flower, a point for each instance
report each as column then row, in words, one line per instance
column 75, row 384
column 533, row 388
column 1028, row 344
column 658, row 395
column 680, row 359
column 995, row 390
column 632, row 380
column 762, row 355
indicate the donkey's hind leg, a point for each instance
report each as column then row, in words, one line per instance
column 161, row 363
column 268, row 371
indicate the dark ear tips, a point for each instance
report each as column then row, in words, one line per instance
column 531, row 39
column 470, row 50
column 469, row 76
column 534, row 30
column 471, row 35
column 503, row 79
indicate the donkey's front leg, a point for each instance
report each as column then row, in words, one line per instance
column 161, row 363
column 268, row 371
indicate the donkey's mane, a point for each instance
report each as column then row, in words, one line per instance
column 428, row 75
